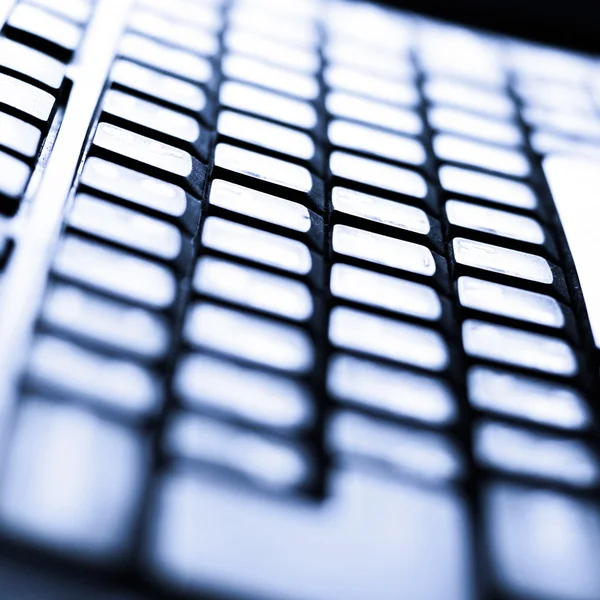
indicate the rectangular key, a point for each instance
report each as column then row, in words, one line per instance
column 523, row 349
column 14, row 177
column 30, row 101
column 78, row 11
column 272, row 175
column 253, row 396
column 158, row 122
column 19, row 136
column 142, row 192
column 150, row 156
column 198, row 15
column 284, row 217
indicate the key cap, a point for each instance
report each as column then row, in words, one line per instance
column 391, row 391
column 525, row 556
column 347, row 79
column 165, row 58
column 571, row 125
column 207, row 383
column 389, row 253
column 158, row 122
column 46, row 31
column 523, row 349
column 527, row 398
column 229, row 556
column 102, row 469
column 371, row 112
column 391, row 217
column 279, row 79
column 382, row 337
column 506, row 301
column 271, row 105
column 180, row 34
column 179, row 94
column 478, row 154
column 151, row 155
column 111, row 324
column 254, row 289
column 14, row 177
column 127, row 227
column 19, row 136
column 534, row 454
column 384, row 292
column 255, row 340
column 495, row 222
column 142, row 191
column 26, row 99
column 424, row 455
column 274, row 175
column 115, row 272
column 287, row 218
column 557, row 96
column 31, row 63
column 487, row 187
column 78, row 11
column 115, row 384
column 454, row 120
column 276, row 465
column 381, row 144
column 197, row 14
column 269, row 136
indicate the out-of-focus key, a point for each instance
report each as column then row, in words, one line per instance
column 78, row 11
column 19, row 136
column 200, row 15
column 14, row 177
column 34, row 103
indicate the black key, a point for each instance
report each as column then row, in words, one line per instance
column 26, row 99
column 44, row 30
column 18, row 136
column 14, row 177
column 151, row 156
column 143, row 192
column 161, row 123
column 128, row 228
column 33, row 64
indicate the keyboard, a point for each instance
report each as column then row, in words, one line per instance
column 298, row 301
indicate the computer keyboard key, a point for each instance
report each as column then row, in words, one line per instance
column 115, row 272
column 44, row 30
column 78, row 11
column 263, row 103
column 397, row 448
column 384, row 292
column 182, row 35
column 389, row 253
column 527, row 453
column 255, row 340
column 114, row 384
column 504, row 161
column 230, row 553
column 198, row 15
column 491, row 188
column 32, row 63
column 129, row 228
column 510, row 302
column 390, row 391
column 270, row 137
column 151, row 156
column 380, row 144
column 253, row 396
column 109, row 323
column 382, row 337
column 519, row 348
column 34, row 103
column 542, row 543
column 274, row 175
column 274, row 464
column 101, row 466
column 272, row 212
column 18, row 136
column 157, row 121
column 172, row 61
column 527, row 398
column 356, row 108
column 279, row 79
column 14, row 177
column 254, row 289
column 172, row 91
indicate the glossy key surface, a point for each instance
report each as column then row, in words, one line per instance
column 26, row 98
column 14, row 175
column 19, row 136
